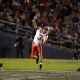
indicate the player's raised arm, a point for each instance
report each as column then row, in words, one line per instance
column 50, row 29
column 34, row 23
column 45, row 37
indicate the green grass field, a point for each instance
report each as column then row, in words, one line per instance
column 48, row 64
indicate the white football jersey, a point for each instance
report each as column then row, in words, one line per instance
column 38, row 36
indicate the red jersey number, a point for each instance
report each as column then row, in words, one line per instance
column 40, row 37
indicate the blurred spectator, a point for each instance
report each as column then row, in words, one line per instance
column 42, row 5
column 52, row 5
column 23, row 18
column 44, row 15
column 1, row 5
column 65, row 12
column 75, row 19
column 1, row 16
column 37, row 16
column 74, row 34
column 74, row 3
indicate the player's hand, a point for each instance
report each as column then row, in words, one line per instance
column 34, row 23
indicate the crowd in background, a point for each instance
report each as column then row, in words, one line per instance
column 58, row 13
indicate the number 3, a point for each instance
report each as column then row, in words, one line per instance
column 40, row 36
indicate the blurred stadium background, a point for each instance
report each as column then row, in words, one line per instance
column 63, row 16
column 63, row 43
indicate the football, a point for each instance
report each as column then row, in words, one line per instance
column 51, row 29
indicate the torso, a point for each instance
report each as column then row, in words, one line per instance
column 39, row 36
